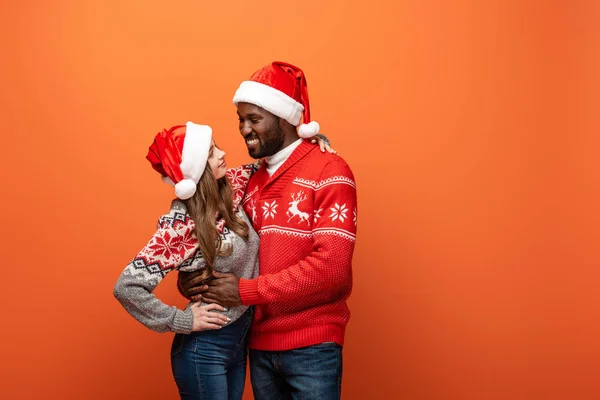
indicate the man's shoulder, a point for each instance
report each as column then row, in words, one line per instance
column 323, row 170
column 321, row 160
column 177, row 217
column 327, row 164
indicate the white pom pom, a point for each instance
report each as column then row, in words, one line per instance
column 185, row 189
column 309, row 130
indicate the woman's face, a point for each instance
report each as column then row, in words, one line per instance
column 216, row 160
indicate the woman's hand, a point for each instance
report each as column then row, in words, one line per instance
column 205, row 318
column 323, row 144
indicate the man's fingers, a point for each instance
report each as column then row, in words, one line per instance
column 209, row 301
column 190, row 275
column 196, row 281
column 197, row 298
column 196, row 290
column 218, row 274
column 209, row 296
column 191, row 284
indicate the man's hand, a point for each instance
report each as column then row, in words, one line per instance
column 191, row 285
column 223, row 290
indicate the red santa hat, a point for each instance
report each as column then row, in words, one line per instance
column 180, row 155
column 280, row 88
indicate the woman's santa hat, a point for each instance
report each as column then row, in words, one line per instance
column 180, row 155
column 280, row 88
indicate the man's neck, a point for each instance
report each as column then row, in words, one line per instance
column 276, row 160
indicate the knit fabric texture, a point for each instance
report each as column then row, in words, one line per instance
column 174, row 247
column 306, row 215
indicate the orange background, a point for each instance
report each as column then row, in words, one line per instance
column 472, row 129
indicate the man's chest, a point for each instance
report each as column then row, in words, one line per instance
column 289, row 206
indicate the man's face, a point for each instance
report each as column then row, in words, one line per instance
column 261, row 130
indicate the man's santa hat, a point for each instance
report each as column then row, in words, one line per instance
column 280, row 88
column 180, row 155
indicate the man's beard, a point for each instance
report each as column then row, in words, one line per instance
column 271, row 143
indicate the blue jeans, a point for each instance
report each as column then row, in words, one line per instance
column 212, row 364
column 313, row 372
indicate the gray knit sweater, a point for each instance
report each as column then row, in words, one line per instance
column 174, row 247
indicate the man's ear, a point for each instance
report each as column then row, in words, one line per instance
column 286, row 127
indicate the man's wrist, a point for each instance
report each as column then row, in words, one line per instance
column 248, row 291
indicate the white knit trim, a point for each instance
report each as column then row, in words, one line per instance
column 334, row 180
column 308, row 234
column 335, row 231
column 196, row 146
column 285, row 230
column 273, row 100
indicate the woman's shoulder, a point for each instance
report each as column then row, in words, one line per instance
column 176, row 218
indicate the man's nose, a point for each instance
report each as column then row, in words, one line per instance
column 245, row 129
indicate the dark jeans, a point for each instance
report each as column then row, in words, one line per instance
column 313, row 372
column 212, row 364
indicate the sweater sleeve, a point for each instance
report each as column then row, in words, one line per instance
column 239, row 178
column 172, row 247
column 326, row 273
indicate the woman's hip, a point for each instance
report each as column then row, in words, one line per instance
column 223, row 343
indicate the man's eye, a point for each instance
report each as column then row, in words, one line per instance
column 254, row 121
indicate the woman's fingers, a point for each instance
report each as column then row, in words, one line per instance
column 206, row 315
column 207, row 326
column 216, row 321
column 214, row 306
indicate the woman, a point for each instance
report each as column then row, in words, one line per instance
column 205, row 229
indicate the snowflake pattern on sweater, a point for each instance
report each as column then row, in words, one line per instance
column 305, row 216
column 174, row 247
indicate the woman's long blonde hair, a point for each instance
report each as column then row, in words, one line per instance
column 213, row 195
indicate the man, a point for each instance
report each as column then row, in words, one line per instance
column 303, row 205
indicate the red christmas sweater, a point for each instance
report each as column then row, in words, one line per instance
column 305, row 215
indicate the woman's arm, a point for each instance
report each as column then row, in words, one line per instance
column 171, row 246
